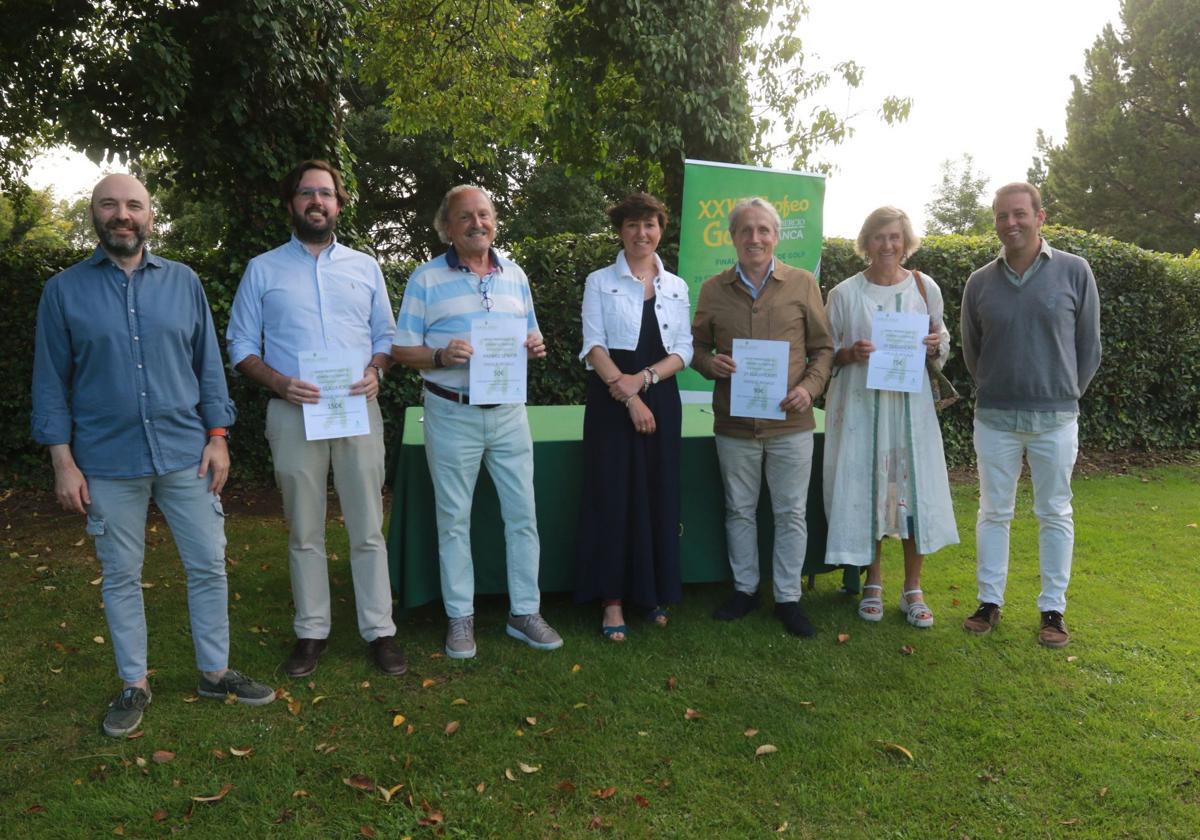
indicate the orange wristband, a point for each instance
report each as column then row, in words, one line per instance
column 218, row 432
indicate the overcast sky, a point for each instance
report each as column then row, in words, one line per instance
column 983, row 76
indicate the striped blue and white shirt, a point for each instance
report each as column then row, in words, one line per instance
column 443, row 297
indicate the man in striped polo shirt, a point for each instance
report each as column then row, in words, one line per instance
column 442, row 299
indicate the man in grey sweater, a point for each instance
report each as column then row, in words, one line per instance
column 1031, row 339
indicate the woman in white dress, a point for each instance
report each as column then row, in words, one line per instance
column 885, row 471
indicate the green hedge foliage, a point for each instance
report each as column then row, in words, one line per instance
column 1146, row 395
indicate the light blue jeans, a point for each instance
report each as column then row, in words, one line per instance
column 457, row 439
column 787, row 461
column 116, row 519
column 1051, row 457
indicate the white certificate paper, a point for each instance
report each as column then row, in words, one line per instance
column 898, row 363
column 337, row 414
column 497, row 370
column 759, row 383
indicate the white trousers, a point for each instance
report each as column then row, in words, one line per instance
column 1051, row 459
column 787, row 461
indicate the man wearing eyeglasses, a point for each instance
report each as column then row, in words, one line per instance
column 442, row 299
column 314, row 293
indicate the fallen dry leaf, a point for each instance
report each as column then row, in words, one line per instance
column 366, row 831
column 318, row 698
column 159, row 815
column 119, row 831
column 219, row 754
column 566, row 785
column 428, row 682
column 35, row 809
column 360, row 782
column 579, row 706
column 908, row 650
column 98, row 639
column 692, row 714
column 398, row 720
column 751, row 732
column 508, row 774
column 765, row 749
column 532, row 721
column 1072, row 658
column 410, row 729
column 843, row 638
column 241, row 752
column 365, row 684
column 672, row 683
column 216, row 797
column 452, row 727
column 782, row 827
column 139, row 761
column 808, row 704
column 528, row 768
column 604, row 793
column 97, row 581
column 480, row 788
column 896, row 750
column 191, row 698
column 596, row 822
column 1103, row 792
column 431, row 818
column 642, row 801
column 388, row 793
column 1071, row 821
column 299, row 793
column 162, row 756
column 458, row 701
column 576, row 668
column 293, row 706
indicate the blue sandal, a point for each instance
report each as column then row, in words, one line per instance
column 610, row 631
column 659, row 616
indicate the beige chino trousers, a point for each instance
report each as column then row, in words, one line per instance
column 302, row 473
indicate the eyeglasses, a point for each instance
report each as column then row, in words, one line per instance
column 485, row 286
column 311, row 192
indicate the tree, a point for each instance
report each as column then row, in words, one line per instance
column 957, row 205
column 230, row 95
column 32, row 217
column 1130, row 164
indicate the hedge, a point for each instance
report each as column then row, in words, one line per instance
column 1146, row 395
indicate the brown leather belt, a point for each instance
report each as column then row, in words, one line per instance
column 453, row 396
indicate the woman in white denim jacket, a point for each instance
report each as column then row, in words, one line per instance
column 636, row 336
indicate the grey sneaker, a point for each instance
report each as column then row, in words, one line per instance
column 533, row 630
column 125, row 712
column 460, row 638
column 239, row 685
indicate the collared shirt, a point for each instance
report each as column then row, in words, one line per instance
column 443, row 297
column 754, row 290
column 1045, row 254
column 290, row 301
column 1024, row 420
column 612, row 310
column 127, row 370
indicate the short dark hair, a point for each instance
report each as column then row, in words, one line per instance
column 1034, row 194
column 287, row 187
column 637, row 206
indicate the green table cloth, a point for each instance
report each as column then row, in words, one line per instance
column 558, row 470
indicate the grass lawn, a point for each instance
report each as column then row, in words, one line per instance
column 962, row 737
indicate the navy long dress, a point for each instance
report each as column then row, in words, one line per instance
column 628, row 538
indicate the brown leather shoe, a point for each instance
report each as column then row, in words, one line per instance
column 982, row 620
column 303, row 659
column 1054, row 630
column 389, row 656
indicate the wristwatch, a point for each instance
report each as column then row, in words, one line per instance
column 653, row 375
column 378, row 372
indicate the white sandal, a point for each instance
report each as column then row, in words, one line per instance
column 917, row 612
column 865, row 604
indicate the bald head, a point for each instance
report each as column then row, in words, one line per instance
column 122, row 217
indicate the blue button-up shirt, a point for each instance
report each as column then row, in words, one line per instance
column 127, row 370
column 290, row 301
column 754, row 290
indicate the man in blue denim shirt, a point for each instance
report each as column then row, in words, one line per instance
column 129, row 396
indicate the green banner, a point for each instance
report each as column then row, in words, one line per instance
column 710, row 190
